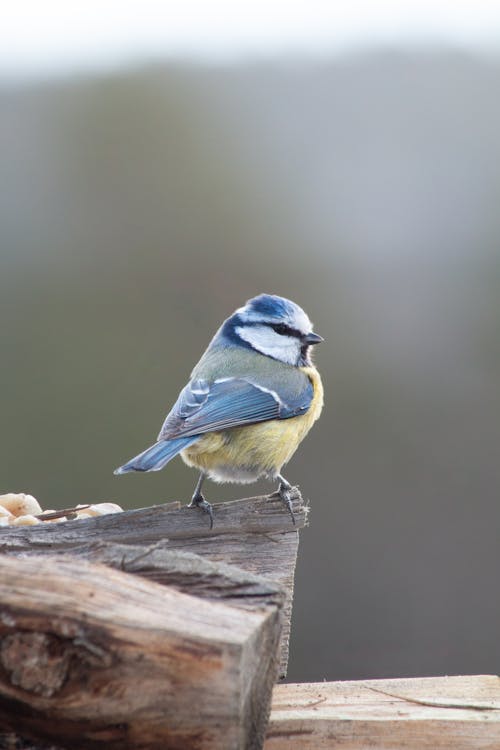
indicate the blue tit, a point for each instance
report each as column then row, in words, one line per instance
column 251, row 399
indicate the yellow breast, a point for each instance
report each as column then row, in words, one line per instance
column 245, row 453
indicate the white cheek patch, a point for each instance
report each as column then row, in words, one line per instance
column 266, row 341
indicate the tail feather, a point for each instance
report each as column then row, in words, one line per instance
column 156, row 456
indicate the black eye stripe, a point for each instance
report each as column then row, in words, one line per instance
column 280, row 328
column 285, row 330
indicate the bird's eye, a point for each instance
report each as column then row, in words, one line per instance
column 281, row 328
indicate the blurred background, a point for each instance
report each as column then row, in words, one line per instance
column 163, row 162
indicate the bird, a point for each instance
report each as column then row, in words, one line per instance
column 249, row 402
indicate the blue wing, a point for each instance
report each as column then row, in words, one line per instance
column 230, row 402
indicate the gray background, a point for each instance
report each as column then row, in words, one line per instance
column 139, row 208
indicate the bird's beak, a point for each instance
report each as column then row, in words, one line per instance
column 313, row 338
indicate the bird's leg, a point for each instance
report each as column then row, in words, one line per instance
column 285, row 493
column 199, row 501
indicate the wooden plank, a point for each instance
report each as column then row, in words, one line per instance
column 91, row 657
column 255, row 534
column 431, row 713
column 180, row 525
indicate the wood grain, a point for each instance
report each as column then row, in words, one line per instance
column 92, row 657
column 432, row 713
column 255, row 534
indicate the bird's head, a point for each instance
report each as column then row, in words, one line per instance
column 273, row 326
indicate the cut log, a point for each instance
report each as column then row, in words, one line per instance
column 92, row 657
column 431, row 713
column 255, row 534
column 187, row 572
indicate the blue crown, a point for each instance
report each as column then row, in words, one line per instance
column 271, row 306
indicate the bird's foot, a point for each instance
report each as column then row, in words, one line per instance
column 285, row 492
column 198, row 501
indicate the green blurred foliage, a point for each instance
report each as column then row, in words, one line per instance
column 139, row 209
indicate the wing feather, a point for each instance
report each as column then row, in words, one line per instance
column 229, row 402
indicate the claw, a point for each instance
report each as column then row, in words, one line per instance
column 199, row 501
column 285, row 494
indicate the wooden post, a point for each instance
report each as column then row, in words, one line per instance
column 157, row 648
column 255, row 534
column 94, row 658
